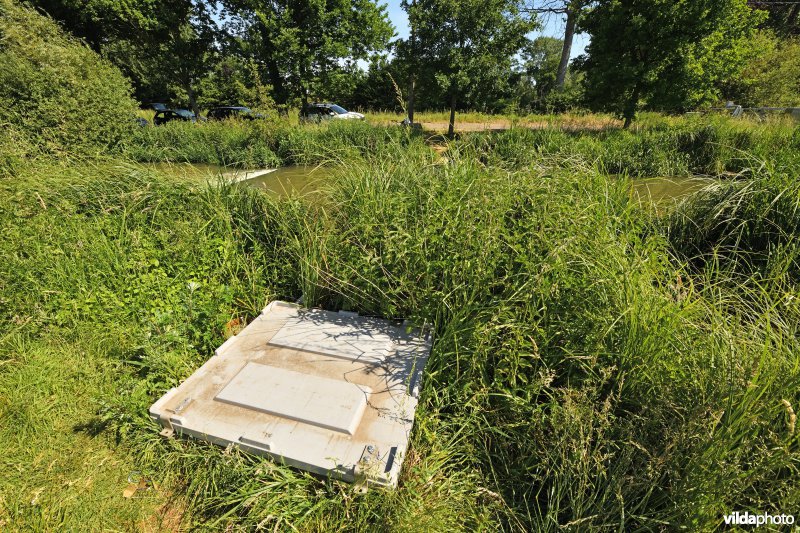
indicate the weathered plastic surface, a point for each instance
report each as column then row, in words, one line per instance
column 331, row 393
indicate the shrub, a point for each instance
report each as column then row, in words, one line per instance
column 61, row 94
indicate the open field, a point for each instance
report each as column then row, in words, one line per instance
column 597, row 365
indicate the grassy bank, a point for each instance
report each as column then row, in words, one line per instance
column 594, row 367
column 657, row 147
column 259, row 144
column 669, row 147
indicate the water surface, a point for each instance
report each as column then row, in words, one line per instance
column 663, row 192
column 292, row 180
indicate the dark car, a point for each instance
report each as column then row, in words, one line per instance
column 224, row 112
column 317, row 112
column 169, row 115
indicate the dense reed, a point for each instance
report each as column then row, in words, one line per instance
column 596, row 366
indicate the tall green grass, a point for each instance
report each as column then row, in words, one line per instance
column 592, row 384
column 594, row 367
column 750, row 228
column 680, row 147
column 262, row 143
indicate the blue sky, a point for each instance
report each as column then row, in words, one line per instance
column 554, row 27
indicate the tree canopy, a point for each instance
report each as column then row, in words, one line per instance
column 467, row 45
column 669, row 55
column 482, row 55
column 306, row 45
column 541, row 60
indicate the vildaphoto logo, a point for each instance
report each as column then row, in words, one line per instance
column 763, row 519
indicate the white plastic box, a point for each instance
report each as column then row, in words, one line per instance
column 331, row 393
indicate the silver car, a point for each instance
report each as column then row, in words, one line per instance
column 317, row 112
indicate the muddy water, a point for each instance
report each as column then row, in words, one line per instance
column 293, row 180
column 308, row 180
column 664, row 191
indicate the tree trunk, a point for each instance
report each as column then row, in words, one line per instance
column 412, row 83
column 792, row 18
column 192, row 100
column 303, row 86
column 412, row 78
column 275, row 80
column 273, row 71
column 452, row 126
column 630, row 107
column 566, row 50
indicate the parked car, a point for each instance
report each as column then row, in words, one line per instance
column 224, row 112
column 317, row 112
column 168, row 115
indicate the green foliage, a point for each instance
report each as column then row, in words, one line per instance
column 235, row 144
column 101, row 21
column 164, row 47
column 668, row 54
column 536, row 89
column 772, row 77
column 261, row 144
column 540, row 63
column 374, row 89
column 304, row 43
column 751, row 227
column 465, row 45
column 56, row 93
column 686, row 148
column 586, row 376
column 568, row 98
column 594, row 367
column 782, row 19
column 234, row 81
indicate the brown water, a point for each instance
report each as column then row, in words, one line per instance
column 191, row 171
column 661, row 192
column 664, row 191
column 292, row 180
column 308, row 180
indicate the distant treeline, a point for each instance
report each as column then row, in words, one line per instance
column 466, row 54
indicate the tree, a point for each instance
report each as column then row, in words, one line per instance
column 156, row 44
column 772, row 77
column 783, row 15
column 467, row 43
column 541, row 64
column 187, row 53
column 408, row 49
column 305, row 44
column 572, row 10
column 671, row 55
column 99, row 22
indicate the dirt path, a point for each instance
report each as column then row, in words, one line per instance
column 573, row 124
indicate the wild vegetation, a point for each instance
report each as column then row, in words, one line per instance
column 595, row 364
column 598, row 364
column 56, row 95
column 278, row 54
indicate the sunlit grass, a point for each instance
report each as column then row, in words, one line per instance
column 596, row 366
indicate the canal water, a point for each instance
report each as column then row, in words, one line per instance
column 292, row 180
column 662, row 192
